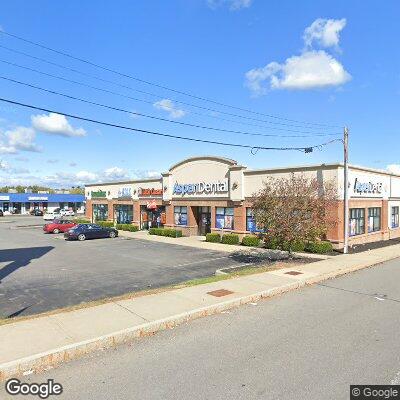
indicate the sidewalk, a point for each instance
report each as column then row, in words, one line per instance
column 200, row 243
column 39, row 343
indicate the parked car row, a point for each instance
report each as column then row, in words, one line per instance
column 73, row 231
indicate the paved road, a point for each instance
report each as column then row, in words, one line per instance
column 309, row 344
column 41, row 272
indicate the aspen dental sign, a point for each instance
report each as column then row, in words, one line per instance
column 201, row 188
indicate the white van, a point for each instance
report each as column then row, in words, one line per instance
column 50, row 215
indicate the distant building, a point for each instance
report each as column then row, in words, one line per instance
column 23, row 203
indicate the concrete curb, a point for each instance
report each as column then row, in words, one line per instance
column 44, row 361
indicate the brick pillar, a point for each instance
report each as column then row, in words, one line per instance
column 239, row 214
column 192, row 220
column 88, row 209
column 384, row 219
column 136, row 213
column 213, row 217
column 169, row 214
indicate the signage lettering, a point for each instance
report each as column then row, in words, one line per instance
column 125, row 192
column 367, row 187
column 150, row 192
column 202, row 187
column 38, row 198
column 4, row 198
column 99, row 193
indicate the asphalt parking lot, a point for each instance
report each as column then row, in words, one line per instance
column 41, row 272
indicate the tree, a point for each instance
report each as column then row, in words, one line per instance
column 77, row 190
column 295, row 209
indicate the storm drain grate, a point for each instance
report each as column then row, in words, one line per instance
column 220, row 292
column 293, row 273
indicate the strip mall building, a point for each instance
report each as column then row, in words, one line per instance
column 204, row 194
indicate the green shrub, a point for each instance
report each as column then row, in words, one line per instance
column 105, row 224
column 319, row 247
column 164, row 232
column 132, row 228
column 230, row 238
column 81, row 220
column 251, row 240
column 213, row 237
column 272, row 243
column 294, row 246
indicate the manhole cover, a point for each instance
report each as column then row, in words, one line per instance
column 220, row 292
column 293, row 273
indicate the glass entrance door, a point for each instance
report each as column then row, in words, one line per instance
column 204, row 220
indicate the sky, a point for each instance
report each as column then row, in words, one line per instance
column 302, row 68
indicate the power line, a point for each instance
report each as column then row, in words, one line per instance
column 146, row 115
column 146, row 101
column 149, row 93
column 303, row 149
column 159, row 85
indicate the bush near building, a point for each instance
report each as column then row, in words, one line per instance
column 251, row 240
column 81, row 220
column 165, row 232
column 230, row 238
column 213, row 237
column 319, row 247
column 127, row 227
column 105, row 224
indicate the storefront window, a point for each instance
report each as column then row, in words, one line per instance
column 374, row 219
column 123, row 213
column 251, row 224
column 27, row 206
column 357, row 221
column 100, row 212
column 180, row 215
column 6, row 206
column 224, row 218
column 395, row 217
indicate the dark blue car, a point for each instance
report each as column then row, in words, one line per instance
column 90, row 231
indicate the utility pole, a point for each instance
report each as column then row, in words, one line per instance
column 346, row 188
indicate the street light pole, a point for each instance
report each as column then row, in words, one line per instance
column 346, row 188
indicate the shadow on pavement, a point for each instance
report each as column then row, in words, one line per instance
column 19, row 258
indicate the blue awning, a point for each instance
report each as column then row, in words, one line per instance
column 42, row 197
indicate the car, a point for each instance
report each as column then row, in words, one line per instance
column 51, row 215
column 36, row 212
column 90, row 231
column 58, row 225
column 1, row 213
column 67, row 213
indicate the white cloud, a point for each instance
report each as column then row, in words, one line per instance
column 116, row 173
column 62, row 179
column 19, row 138
column 311, row 69
column 55, row 124
column 52, row 161
column 233, row 5
column 394, row 168
column 169, row 106
column 6, row 167
column 324, row 32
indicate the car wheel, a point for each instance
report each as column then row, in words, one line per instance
column 56, row 231
column 81, row 237
column 112, row 235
